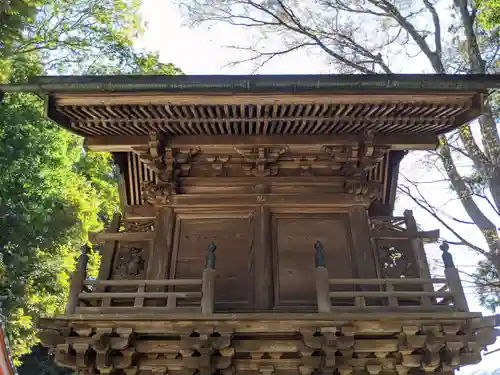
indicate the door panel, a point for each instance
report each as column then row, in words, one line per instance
column 294, row 239
column 233, row 237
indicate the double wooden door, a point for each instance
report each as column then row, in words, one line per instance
column 265, row 259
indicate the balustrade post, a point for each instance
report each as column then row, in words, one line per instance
column 208, row 284
column 77, row 279
column 453, row 279
column 321, row 276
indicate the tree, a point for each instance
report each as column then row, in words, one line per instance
column 14, row 15
column 74, row 36
column 52, row 193
column 489, row 14
column 375, row 36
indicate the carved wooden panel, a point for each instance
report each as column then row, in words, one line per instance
column 293, row 244
column 396, row 258
column 130, row 261
column 233, row 236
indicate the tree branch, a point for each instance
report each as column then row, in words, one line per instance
column 487, row 228
column 426, row 206
column 437, row 28
column 434, row 59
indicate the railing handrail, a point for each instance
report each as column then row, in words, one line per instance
column 164, row 282
column 391, row 294
column 356, row 281
column 142, row 299
column 117, row 295
column 451, row 293
column 388, row 218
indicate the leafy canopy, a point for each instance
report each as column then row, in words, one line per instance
column 489, row 13
column 52, row 192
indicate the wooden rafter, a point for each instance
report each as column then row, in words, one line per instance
column 287, row 115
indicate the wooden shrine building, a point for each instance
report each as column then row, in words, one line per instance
column 257, row 235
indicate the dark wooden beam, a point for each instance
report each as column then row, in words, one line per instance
column 353, row 97
column 395, row 141
column 291, row 202
column 121, row 143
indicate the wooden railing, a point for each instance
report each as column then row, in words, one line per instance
column 431, row 294
column 98, row 296
column 142, row 296
column 123, row 302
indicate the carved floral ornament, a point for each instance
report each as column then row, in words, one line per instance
column 130, row 262
column 158, row 158
column 395, row 264
column 261, row 161
column 158, row 194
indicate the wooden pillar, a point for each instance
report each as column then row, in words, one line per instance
column 263, row 276
column 322, row 284
column 453, row 279
column 417, row 246
column 363, row 250
column 159, row 258
column 208, row 283
column 77, row 280
column 108, row 251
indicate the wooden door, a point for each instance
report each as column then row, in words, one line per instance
column 293, row 248
column 233, row 236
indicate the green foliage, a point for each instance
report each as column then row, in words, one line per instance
column 82, row 36
column 487, row 284
column 51, row 194
column 14, row 15
column 489, row 13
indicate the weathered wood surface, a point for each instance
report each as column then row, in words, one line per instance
column 398, row 344
column 128, row 143
column 263, row 114
column 266, row 259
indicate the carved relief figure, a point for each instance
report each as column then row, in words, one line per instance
column 130, row 263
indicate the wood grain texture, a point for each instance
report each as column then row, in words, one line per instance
column 361, row 244
column 293, row 245
column 162, row 245
column 108, row 251
column 263, row 267
column 234, row 237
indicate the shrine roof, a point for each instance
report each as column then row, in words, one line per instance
column 261, row 104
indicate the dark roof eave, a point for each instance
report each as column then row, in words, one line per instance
column 258, row 83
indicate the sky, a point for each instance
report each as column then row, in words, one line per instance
column 202, row 51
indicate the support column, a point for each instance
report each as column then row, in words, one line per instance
column 417, row 246
column 159, row 259
column 108, row 251
column 263, row 275
column 77, row 280
column 208, row 282
column 453, row 279
column 362, row 246
column 321, row 276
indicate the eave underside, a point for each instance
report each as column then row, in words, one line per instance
column 259, row 114
column 217, row 123
column 261, row 344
